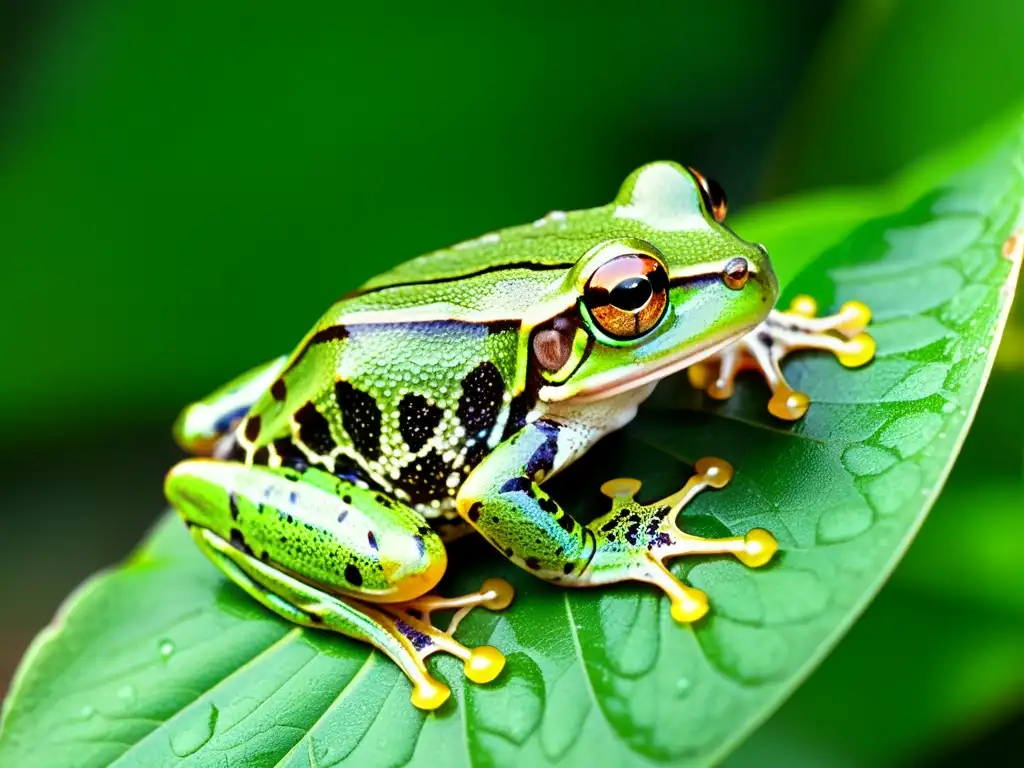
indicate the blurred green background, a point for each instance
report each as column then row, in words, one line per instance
column 185, row 186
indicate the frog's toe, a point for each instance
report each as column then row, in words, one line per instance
column 634, row 541
column 781, row 334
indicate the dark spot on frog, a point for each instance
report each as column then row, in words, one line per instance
column 567, row 568
column 238, row 542
column 414, row 613
column 417, row 420
column 252, row 428
column 371, row 540
column 361, row 418
column 418, row 639
column 279, row 390
column 567, row 523
column 233, row 505
column 474, row 511
column 425, row 478
column 261, row 455
column 293, row 497
column 421, row 545
column 480, row 403
column 314, row 431
column 532, row 563
column 549, row 505
column 291, row 457
column 353, row 575
column 543, row 458
column 347, row 499
column 265, row 557
column 515, row 484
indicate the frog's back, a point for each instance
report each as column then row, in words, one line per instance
column 412, row 380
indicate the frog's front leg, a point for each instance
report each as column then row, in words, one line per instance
column 764, row 348
column 503, row 500
column 328, row 554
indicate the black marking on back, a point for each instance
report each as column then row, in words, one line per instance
column 279, row 390
column 425, row 478
column 361, row 418
column 482, row 392
column 290, row 455
column 417, row 420
column 314, row 431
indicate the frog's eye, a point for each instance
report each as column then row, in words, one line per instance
column 627, row 296
column 713, row 194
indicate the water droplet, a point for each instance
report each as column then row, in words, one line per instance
column 196, row 733
column 166, row 649
column 126, row 693
column 948, row 407
column 982, row 349
column 86, row 712
column 683, row 686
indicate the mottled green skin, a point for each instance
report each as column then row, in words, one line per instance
column 423, row 394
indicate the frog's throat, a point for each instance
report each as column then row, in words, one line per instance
column 555, row 394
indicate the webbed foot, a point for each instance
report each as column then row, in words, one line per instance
column 638, row 539
column 764, row 348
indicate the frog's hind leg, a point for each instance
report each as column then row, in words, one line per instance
column 401, row 631
column 203, row 424
column 764, row 348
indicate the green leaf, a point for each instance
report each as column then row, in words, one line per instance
column 162, row 660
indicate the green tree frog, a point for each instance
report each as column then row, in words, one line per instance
column 440, row 397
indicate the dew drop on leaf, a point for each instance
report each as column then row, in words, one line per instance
column 195, row 734
column 166, row 649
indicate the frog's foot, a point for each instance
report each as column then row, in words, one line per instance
column 402, row 630
column 413, row 619
column 638, row 539
column 764, row 348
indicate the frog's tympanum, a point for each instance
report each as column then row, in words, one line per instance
column 440, row 397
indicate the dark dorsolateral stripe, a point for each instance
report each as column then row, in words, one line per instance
column 331, row 333
column 528, row 265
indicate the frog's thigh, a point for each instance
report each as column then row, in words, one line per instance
column 341, row 537
column 203, row 423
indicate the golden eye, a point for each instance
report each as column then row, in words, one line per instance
column 736, row 273
column 714, row 196
column 628, row 295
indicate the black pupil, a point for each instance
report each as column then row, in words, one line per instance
column 632, row 293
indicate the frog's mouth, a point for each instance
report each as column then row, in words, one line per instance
column 602, row 388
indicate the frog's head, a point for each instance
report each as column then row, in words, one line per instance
column 672, row 286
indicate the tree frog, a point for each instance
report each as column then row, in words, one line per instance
column 440, row 397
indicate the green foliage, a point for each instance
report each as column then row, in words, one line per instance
column 164, row 659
